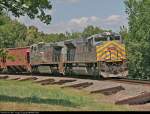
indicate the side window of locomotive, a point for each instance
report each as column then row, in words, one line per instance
column 41, row 47
column 100, row 39
column 112, row 38
column 115, row 38
column 35, row 49
column 32, row 49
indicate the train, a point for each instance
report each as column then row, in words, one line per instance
column 100, row 55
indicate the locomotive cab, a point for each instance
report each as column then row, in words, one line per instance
column 100, row 38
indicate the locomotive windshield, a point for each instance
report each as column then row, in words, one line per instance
column 115, row 38
column 41, row 46
column 99, row 39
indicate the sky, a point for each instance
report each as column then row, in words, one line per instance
column 75, row 15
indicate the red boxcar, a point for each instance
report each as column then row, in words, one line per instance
column 18, row 60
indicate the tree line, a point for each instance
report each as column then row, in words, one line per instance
column 13, row 34
column 138, row 40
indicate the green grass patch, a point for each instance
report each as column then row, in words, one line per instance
column 27, row 94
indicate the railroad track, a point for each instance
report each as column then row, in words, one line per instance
column 50, row 75
column 128, row 81
column 120, row 80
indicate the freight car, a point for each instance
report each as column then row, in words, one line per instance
column 17, row 61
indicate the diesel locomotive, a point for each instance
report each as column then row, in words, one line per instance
column 100, row 55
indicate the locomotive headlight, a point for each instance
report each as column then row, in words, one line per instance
column 111, row 48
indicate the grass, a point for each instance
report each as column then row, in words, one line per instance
column 28, row 96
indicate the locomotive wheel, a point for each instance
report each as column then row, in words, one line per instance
column 35, row 70
column 68, row 71
column 104, row 69
column 10, row 71
column 124, row 70
column 113, row 68
column 1, row 70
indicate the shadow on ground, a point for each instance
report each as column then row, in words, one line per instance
column 37, row 100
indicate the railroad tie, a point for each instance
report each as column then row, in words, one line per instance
column 48, row 82
column 4, row 77
column 29, row 78
column 45, row 80
column 109, row 91
column 61, row 82
column 79, row 86
column 139, row 99
column 15, row 78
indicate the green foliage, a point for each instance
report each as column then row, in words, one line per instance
column 32, row 8
column 90, row 30
column 11, row 33
column 3, row 53
column 124, row 33
column 139, row 37
column 34, row 36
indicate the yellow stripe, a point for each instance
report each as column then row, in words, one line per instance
column 119, row 51
column 102, row 51
column 117, row 46
column 122, row 53
column 121, row 48
column 107, row 43
column 112, row 44
column 102, row 59
column 112, row 55
column 120, row 45
column 103, row 46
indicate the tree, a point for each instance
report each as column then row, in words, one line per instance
column 139, row 38
column 9, row 35
column 124, row 33
column 31, row 8
column 31, row 36
column 90, row 30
